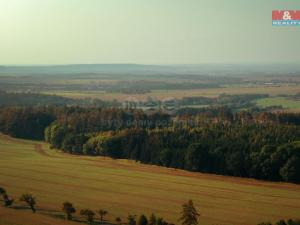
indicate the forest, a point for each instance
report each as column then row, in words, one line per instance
column 259, row 145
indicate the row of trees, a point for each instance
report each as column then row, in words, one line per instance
column 189, row 214
column 282, row 222
column 27, row 198
column 89, row 214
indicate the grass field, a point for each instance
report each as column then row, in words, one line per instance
column 279, row 101
column 162, row 94
column 124, row 187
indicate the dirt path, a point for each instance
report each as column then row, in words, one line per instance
column 39, row 149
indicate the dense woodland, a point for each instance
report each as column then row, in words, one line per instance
column 260, row 145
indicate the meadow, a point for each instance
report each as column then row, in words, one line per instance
column 279, row 101
column 125, row 187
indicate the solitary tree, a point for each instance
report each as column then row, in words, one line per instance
column 68, row 209
column 131, row 219
column 160, row 221
column 2, row 191
column 152, row 219
column 143, row 220
column 281, row 222
column 89, row 214
column 7, row 200
column 118, row 220
column 102, row 213
column 30, row 200
column 189, row 214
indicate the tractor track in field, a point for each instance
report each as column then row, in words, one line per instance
column 39, row 149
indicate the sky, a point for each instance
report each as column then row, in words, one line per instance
column 145, row 32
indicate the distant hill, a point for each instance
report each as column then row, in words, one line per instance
column 82, row 68
column 139, row 69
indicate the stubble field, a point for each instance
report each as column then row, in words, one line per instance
column 125, row 187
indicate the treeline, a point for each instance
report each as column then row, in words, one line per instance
column 30, row 122
column 257, row 145
column 267, row 152
column 282, row 222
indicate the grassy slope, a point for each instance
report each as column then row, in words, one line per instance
column 124, row 187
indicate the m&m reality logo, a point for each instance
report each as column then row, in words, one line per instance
column 286, row 17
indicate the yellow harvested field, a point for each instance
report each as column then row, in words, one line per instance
column 125, row 187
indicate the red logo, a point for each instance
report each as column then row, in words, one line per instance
column 286, row 15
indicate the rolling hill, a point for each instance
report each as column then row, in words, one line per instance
column 125, row 187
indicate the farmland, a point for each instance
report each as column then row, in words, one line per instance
column 19, row 217
column 125, row 187
column 164, row 94
column 147, row 84
column 279, row 101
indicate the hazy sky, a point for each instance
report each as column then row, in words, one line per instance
column 145, row 31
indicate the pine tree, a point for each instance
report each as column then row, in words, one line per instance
column 189, row 214
column 143, row 220
column 152, row 219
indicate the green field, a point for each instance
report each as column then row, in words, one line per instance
column 124, row 187
column 279, row 101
